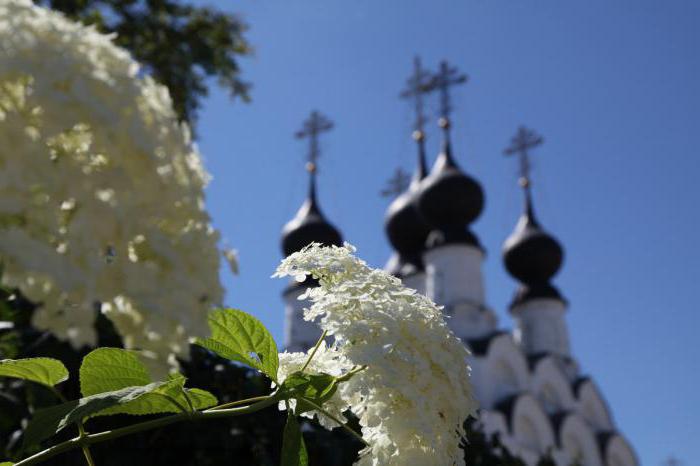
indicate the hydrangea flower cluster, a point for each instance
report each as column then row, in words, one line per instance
column 326, row 360
column 414, row 395
column 101, row 189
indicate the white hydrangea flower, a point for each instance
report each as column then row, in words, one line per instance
column 326, row 360
column 101, row 189
column 415, row 393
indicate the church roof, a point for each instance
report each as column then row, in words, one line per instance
column 309, row 225
column 531, row 255
column 480, row 346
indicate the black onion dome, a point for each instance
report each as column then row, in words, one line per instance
column 309, row 226
column 450, row 200
column 405, row 227
column 532, row 256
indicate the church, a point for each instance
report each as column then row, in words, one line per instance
column 530, row 388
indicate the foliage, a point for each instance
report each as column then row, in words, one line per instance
column 45, row 371
column 254, row 440
column 240, row 337
column 114, row 381
column 181, row 45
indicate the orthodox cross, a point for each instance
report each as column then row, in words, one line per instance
column 313, row 126
column 524, row 140
column 396, row 184
column 417, row 85
column 445, row 78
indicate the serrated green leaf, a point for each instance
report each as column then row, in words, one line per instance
column 293, row 447
column 109, row 369
column 317, row 388
column 49, row 421
column 201, row 399
column 46, row 371
column 241, row 337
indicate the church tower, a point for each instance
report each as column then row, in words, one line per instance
column 309, row 225
column 450, row 200
column 527, row 382
column 406, row 229
column 533, row 257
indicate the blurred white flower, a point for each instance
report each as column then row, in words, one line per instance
column 415, row 393
column 101, row 189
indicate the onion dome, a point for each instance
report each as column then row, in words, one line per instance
column 449, row 200
column 406, row 229
column 532, row 256
column 309, row 225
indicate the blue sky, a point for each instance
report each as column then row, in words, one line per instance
column 614, row 87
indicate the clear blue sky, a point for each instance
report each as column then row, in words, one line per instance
column 613, row 86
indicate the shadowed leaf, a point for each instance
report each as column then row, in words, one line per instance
column 293, row 447
column 110, row 369
column 46, row 371
column 49, row 421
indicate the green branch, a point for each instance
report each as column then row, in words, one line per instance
column 334, row 418
column 313, row 352
column 90, row 439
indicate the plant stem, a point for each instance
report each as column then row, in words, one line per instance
column 174, row 402
column 348, row 375
column 85, row 448
column 247, row 401
column 90, row 439
column 88, row 456
column 189, row 401
column 341, row 423
column 313, row 352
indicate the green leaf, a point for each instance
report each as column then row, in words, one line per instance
column 293, row 447
column 109, row 369
column 201, row 399
column 46, row 371
column 317, row 388
column 49, row 421
column 6, row 463
column 241, row 337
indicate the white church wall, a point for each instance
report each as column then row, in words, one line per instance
column 619, row 453
column 579, row 442
column 540, row 326
column 299, row 334
column 592, row 406
column 531, row 427
column 454, row 280
column 505, row 371
column 416, row 281
column 454, row 274
column 551, row 386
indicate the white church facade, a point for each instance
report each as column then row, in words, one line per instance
column 529, row 386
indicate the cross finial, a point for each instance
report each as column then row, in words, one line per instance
column 313, row 126
column 418, row 84
column 445, row 78
column 396, row 184
column 524, row 140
